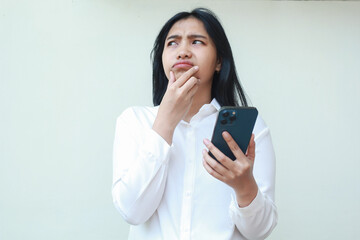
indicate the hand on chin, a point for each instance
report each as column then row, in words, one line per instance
column 180, row 71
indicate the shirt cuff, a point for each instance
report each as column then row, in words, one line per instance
column 155, row 146
column 252, row 209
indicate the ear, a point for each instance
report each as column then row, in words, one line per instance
column 218, row 65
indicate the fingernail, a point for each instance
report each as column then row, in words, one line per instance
column 206, row 141
column 226, row 134
column 196, row 67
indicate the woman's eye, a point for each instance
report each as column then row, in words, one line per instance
column 198, row 42
column 172, row 43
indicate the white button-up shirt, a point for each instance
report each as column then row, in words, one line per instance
column 164, row 191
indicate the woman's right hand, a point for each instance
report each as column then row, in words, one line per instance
column 176, row 103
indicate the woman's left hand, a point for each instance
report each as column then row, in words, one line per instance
column 237, row 174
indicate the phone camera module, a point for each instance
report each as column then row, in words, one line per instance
column 224, row 121
column 225, row 114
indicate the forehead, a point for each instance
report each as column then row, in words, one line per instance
column 188, row 25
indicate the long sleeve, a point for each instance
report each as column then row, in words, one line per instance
column 257, row 220
column 140, row 166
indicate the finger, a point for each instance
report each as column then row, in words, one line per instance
column 216, row 166
column 222, row 158
column 211, row 171
column 186, row 76
column 234, row 147
column 193, row 90
column 250, row 153
column 193, row 81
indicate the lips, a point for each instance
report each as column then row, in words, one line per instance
column 183, row 64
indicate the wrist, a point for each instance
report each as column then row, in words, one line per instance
column 164, row 129
column 246, row 193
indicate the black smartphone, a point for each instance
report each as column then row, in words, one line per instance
column 239, row 122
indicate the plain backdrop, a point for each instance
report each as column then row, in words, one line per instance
column 69, row 68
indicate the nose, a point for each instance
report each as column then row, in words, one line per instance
column 184, row 52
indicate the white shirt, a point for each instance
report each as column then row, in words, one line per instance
column 164, row 191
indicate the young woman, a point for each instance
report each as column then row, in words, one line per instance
column 165, row 183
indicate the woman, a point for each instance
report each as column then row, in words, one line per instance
column 165, row 183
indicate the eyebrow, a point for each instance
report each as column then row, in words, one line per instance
column 191, row 36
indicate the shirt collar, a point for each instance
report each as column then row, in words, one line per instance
column 206, row 110
column 214, row 104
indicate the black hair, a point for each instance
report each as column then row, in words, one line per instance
column 225, row 85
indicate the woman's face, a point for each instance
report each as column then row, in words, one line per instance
column 188, row 44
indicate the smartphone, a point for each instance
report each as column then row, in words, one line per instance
column 239, row 122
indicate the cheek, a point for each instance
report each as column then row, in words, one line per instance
column 165, row 68
column 167, row 72
column 208, row 68
column 167, row 75
column 206, row 71
column 166, row 61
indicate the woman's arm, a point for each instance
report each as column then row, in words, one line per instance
column 253, row 210
column 139, row 167
column 141, row 153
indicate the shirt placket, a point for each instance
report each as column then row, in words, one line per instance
column 188, row 184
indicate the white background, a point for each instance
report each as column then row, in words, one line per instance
column 69, row 68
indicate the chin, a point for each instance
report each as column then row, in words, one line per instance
column 179, row 73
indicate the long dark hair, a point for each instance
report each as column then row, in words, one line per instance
column 225, row 85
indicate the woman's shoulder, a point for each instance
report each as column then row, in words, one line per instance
column 140, row 110
column 140, row 114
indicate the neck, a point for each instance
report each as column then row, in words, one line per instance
column 202, row 96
